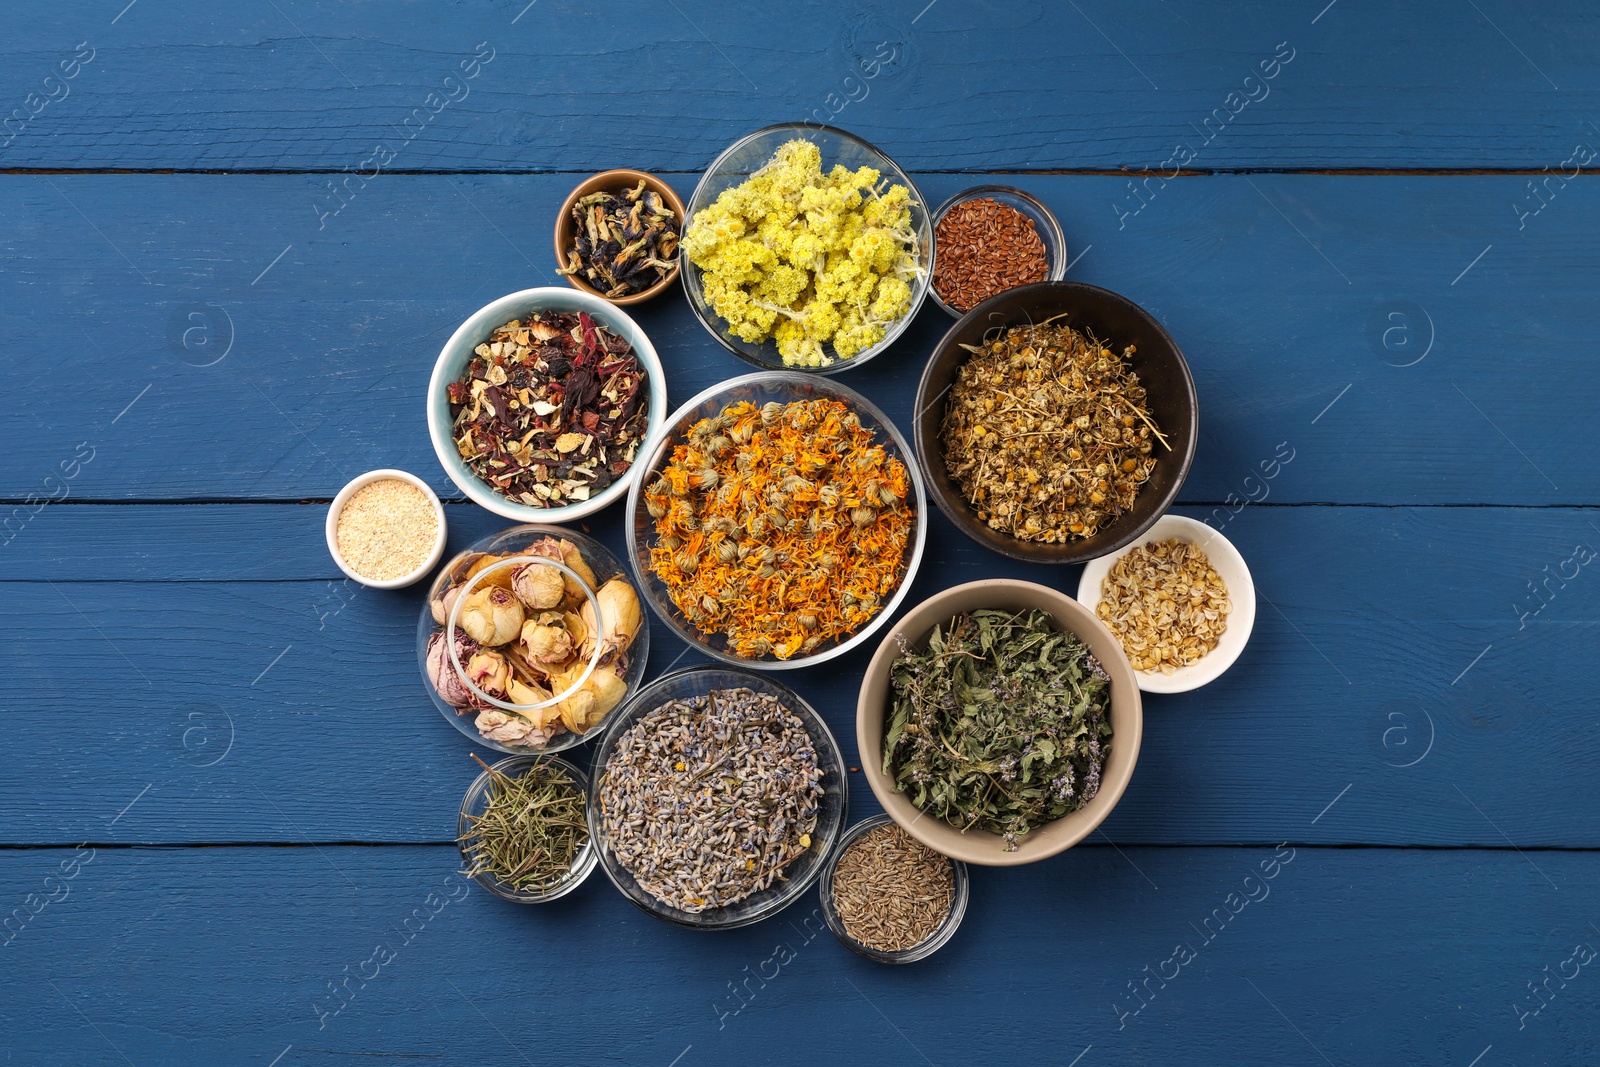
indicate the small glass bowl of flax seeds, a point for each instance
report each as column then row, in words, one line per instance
column 386, row 529
column 890, row 898
column 989, row 239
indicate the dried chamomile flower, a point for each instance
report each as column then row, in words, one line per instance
column 1166, row 604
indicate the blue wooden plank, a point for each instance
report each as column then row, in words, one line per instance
column 1297, row 299
column 1032, row 85
column 1341, row 956
column 1387, row 671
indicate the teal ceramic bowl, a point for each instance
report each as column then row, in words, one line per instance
column 452, row 363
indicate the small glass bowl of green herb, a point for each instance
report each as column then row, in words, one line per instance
column 523, row 829
column 890, row 898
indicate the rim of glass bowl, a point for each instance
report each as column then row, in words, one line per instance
column 694, row 290
column 960, row 890
column 455, row 613
column 497, row 543
column 783, row 893
column 1055, row 239
column 512, row 766
column 654, row 591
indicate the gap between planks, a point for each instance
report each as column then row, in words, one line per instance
column 1104, row 172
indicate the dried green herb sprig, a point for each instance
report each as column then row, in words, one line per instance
column 531, row 830
column 1001, row 723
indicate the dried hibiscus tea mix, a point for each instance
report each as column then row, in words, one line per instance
column 551, row 410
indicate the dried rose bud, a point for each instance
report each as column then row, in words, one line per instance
column 442, row 673
column 441, row 604
column 538, row 586
column 490, row 672
column 620, row 618
column 566, row 552
column 511, row 730
column 491, row 616
column 546, row 644
column 519, row 693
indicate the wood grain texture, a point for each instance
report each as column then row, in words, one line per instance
column 196, row 362
column 1278, row 288
column 989, row 86
column 1345, row 956
column 288, row 706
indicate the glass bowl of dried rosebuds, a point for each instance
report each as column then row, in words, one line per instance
column 822, row 288
column 530, row 638
column 778, row 520
column 542, row 400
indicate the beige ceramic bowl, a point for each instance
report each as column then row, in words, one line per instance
column 980, row 846
column 614, row 181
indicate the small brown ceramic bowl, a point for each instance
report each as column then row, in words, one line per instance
column 1114, row 320
column 615, row 181
column 981, row 846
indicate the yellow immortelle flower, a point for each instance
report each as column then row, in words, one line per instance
column 807, row 259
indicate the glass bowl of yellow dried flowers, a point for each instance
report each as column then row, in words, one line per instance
column 778, row 520
column 530, row 638
column 806, row 248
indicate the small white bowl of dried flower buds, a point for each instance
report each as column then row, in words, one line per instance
column 1180, row 601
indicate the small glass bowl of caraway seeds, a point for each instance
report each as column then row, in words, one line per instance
column 989, row 239
column 617, row 236
column 716, row 798
column 523, row 829
column 386, row 529
column 890, row 898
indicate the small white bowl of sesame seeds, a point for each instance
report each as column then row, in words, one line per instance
column 386, row 529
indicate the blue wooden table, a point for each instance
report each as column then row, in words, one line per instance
column 232, row 239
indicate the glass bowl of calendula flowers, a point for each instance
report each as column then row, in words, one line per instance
column 716, row 797
column 778, row 520
column 806, row 248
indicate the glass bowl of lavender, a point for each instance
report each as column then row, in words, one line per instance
column 716, row 797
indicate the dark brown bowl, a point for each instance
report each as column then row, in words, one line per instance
column 1113, row 319
column 615, row 180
